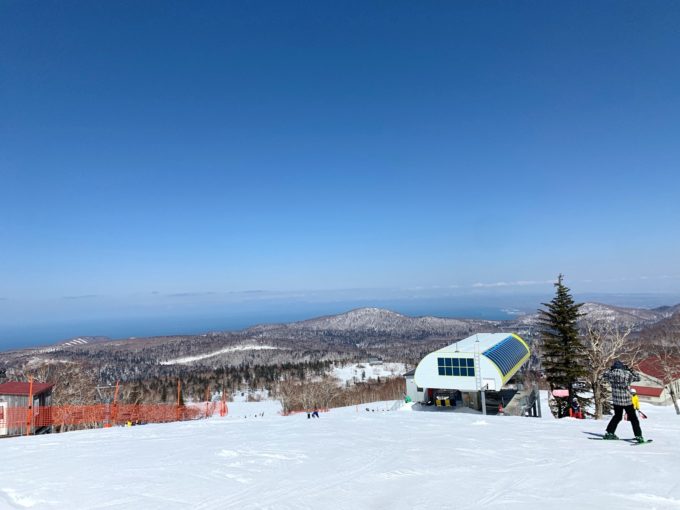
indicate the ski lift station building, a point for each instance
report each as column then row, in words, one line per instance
column 485, row 361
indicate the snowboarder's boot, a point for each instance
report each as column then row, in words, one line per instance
column 610, row 435
column 640, row 439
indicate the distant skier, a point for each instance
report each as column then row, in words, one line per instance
column 619, row 377
column 575, row 409
column 315, row 414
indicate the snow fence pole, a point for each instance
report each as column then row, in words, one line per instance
column 179, row 395
column 29, row 408
column 115, row 400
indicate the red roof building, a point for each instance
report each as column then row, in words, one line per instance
column 647, row 391
column 15, row 406
column 653, row 366
column 23, row 388
column 655, row 381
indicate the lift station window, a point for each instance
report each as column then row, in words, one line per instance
column 457, row 367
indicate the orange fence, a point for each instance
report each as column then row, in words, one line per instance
column 17, row 420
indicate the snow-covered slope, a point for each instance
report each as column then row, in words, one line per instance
column 190, row 359
column 346, row 460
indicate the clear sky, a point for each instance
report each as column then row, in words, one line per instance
column 162, row 149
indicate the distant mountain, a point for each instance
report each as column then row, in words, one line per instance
column 635, row 318
column 666, row 330
column 353, row 335
column 374, row 321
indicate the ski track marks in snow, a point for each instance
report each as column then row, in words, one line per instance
column 12, row 497
column 652, row 501
column 344, row 460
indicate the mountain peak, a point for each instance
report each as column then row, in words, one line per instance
column 371, row 312
column 359, row 318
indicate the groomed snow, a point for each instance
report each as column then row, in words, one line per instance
column 346, row 460
column 190, row 359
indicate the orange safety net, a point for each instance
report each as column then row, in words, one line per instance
column 17, row 420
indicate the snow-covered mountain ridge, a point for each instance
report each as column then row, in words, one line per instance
column 354, row 335
column 375, row 320
column 633, row 317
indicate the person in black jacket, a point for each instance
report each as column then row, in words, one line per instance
column 619, row 377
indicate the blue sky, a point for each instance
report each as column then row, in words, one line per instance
column 149, row 149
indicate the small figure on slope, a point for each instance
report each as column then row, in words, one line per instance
column 575, row 409
column 636, row 403
column 619, row 377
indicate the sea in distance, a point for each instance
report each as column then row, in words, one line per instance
column 190, row 320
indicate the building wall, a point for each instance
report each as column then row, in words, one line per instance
column 427, row 374
column 412, row 390
column 651, row 382
column 20, row 402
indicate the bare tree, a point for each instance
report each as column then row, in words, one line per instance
column 667, row 358
column 325, row 390
column 74, row 384
column 130, row 394
column 604, row 343
column 289, row 392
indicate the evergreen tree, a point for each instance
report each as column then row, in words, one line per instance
column 563, row 355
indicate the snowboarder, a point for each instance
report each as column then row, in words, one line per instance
column 575, row 409
column 315, row 414
column 619, row 377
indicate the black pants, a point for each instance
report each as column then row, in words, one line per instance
column 632, row 418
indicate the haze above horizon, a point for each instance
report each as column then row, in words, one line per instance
column 156, row 157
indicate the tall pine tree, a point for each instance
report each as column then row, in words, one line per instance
column 563, row 355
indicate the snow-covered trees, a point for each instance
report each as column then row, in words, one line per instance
column 296, row 395
column 306, row 395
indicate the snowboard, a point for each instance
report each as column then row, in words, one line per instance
column 635, row 443
column 630, row 440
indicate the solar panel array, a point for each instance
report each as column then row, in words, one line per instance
column 507, row 353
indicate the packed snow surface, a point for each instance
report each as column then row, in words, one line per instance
column 348, row 459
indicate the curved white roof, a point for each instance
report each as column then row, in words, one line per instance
column 454, row 367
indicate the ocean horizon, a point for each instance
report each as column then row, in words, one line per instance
column 236, row 317
column 48, row 333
